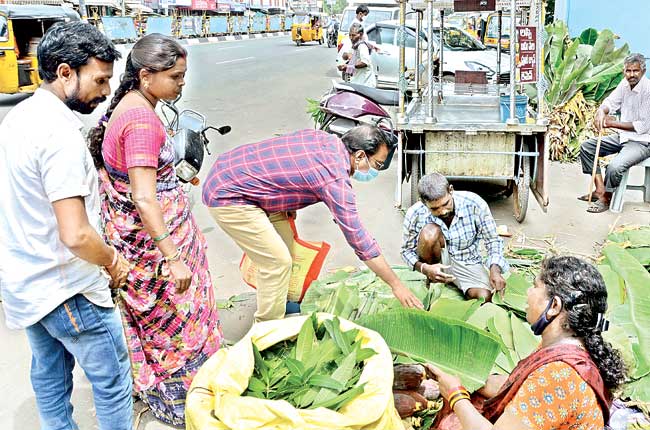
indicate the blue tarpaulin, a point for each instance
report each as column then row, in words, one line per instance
column 119, row 28
column 218, row 24
column 191, row 26
column 259, row 22
column 274, row 23
column 162, row 25
column 288, row 22
column 239, row 24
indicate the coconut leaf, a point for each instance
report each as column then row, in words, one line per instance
column 455, row 346
column 589, row 36
column 637, row 280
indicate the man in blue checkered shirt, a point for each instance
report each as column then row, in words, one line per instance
column 442, row 235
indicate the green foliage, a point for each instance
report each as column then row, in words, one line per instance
column 316, row 113
column 321, row 368
column 453, row 345
column 589, row 63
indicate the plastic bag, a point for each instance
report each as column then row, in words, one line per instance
column 308, row 260
column 215, row 402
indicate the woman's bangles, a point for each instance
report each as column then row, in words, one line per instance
column 174, row 257
column 161, row 237
column 457, row 394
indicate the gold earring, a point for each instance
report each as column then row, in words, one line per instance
column 146, row 85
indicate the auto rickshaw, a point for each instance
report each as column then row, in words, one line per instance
column 307, row 28
column 21, row 29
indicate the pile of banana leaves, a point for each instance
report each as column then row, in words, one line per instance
column 581, row 72
column 450, row 320
column 320, row 368
column 625, row 268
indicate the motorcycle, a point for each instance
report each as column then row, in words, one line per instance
column 332, row 34
column 187, row 129
column 348, row 105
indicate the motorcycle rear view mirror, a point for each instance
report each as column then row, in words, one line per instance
column 224, row 129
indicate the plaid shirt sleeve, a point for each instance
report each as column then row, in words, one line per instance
column 410, row 233
column 493, row 243
column 339, row 197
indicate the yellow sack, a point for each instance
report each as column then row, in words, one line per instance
column 308, row 259
column 215, row 402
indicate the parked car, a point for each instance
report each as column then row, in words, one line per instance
column 377, row 13
column 461, row 52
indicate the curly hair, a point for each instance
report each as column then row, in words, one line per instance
column 583, row 293
column 155, row 53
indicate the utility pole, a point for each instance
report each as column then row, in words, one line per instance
column 82, row 11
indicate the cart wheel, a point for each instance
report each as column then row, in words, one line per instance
column 297, row 42
column 415, row 178
column 320, row 41
column 521, row 191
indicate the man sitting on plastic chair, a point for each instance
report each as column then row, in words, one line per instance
column 632, row 138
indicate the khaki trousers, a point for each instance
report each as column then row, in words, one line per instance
column 267, row 240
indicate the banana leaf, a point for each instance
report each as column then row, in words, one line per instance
column 515, row 295
column 642, row 255
column 523, row 338
column 456, row 347
column 603, row 46
column 619, row 339
column 632, row 238
column 638, row 392
column 456, row 309
column 589, row 36
column 558, row 33
column 615, row 287
column 485, row 312
column 637, row 280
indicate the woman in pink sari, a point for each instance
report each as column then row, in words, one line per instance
column 168, row 310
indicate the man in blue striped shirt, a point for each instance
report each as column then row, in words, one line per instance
column 442, row 234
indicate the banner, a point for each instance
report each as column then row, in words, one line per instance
column 119, row 28
column 218, row 25
column 191, row 26
column 159, row 24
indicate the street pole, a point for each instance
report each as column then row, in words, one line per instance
column 429, row 118
column 82, row 11
column 513, row 63
column 402, row 84
column 418, row 54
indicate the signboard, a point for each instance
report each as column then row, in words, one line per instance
column 527, row 64
column 204, row 5
column 505, row 4
column 191, row 26
column 474, row 5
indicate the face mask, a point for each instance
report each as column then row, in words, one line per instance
column 542, row 322
column 368, row 176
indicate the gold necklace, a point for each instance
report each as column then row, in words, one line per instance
column 153, row 106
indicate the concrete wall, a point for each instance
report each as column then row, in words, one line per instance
column 630, row 19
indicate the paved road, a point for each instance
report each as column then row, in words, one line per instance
column 259, row 87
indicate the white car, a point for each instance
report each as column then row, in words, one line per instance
column 461, row 52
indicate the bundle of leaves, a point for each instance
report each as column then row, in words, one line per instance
column 581, row 73
column 320, row 368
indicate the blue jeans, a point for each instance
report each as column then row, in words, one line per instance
column 82, row 331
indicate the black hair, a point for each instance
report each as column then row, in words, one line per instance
column 366, row 138
column 72, row 43
column 583, row 293
column 433, row 186
column 362, row 9
column 155, row 53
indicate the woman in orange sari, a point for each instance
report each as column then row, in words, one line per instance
column 566, row 382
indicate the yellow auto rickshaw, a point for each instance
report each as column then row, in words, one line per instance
column 21, row 29
column 307, row 28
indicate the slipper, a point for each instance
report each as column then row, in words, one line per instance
column 598, row 207
column 584, row 198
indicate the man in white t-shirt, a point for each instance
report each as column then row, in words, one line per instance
column 51, row 251
column 359, row 65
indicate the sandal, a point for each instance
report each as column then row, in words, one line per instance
column 594, row 198
column 598, row 207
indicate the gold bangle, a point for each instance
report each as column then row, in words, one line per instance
column 458, row 399
column 175, row 257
